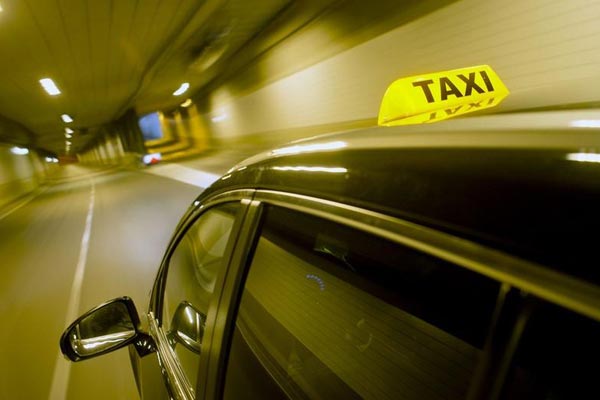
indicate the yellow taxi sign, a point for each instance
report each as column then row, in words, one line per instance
column 441, row 95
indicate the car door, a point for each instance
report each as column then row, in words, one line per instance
column 187, row 291
column 322, row 309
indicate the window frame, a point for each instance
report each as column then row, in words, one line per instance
column 511, row 272
column 174, row 377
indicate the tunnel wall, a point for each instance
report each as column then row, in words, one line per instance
column 19, row 174
column 331, row 75
column 546, row 53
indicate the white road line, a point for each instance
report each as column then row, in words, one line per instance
column 184, row 174
column 62, row 368
column 23, row 202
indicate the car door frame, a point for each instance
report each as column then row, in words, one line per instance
column 174, row 377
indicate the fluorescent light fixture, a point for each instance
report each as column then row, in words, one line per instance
column 68, row 135
column 182, row 89
column 68, row 143
column 186, row 103
column 66, row 118
column 21, row 151
column 49, row 86
column 304, row 148
column 49, row 159
column 584, row 157
column 69, row 130
column 219, row 118
column 586, row 123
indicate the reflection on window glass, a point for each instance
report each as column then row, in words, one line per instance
column 191, row 277
column 331, row 312
column 558, row 357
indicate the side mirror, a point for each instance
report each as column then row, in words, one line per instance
column 187, row 327
column 108, row 327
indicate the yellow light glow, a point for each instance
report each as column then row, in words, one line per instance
column 186, row 103
column 69, row 130
column 305, row 148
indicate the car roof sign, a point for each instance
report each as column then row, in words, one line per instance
column 441, row 95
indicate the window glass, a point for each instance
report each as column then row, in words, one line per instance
column 332, row 312
column 191, row 276
column 558, row 357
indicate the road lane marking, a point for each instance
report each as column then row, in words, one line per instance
column 62, row 368
column 24, row 201
column 183, row 174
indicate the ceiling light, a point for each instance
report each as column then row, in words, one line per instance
column 68, row 143
column 21, row 151
column 66, row 118
column 219, row 118
column 69, row 130
column 182, row 89
column 49, row 86
column 186, row 103
column 68, row 136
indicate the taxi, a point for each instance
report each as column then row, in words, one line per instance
column 430, row 261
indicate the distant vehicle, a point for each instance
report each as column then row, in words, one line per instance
column 445, row 261
column 151, row 159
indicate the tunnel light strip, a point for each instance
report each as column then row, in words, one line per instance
column 20, row 151
column 586, row 123
column 49, row 86
column 219, row 118
column 584, row 157
column 182, row 89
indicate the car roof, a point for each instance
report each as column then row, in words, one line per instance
column 528, row 184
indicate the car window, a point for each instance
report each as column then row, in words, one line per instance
column 557, row 357
column 190, row 283
column 328, row 311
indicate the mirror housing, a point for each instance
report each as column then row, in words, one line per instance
column 187, row 327
column 103, row 329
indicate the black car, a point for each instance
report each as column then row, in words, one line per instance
column 432, row 262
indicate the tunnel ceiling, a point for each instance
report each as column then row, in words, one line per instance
column 109, row 56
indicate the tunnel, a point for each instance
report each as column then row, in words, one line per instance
column 116, row 115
